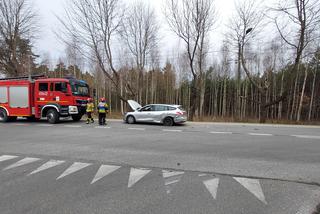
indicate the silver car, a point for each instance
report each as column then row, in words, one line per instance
column 167, row 115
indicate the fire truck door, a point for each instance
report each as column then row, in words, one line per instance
column 19, row 100
column 43, row 96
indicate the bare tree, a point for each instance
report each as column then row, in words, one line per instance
column 304, row 18
column 191, row 21
column 95, row 23
column 139, row 31
column 17, row 27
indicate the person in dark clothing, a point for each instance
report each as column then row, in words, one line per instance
column 103, row 109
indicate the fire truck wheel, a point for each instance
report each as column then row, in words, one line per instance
column 3, row 116
column 76, row 117
column 52, row 116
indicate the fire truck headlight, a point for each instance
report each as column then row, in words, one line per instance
column 73, row 110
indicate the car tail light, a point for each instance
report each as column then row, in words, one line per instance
column 179, row 113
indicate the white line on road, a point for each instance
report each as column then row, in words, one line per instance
column 253, row 186
column 22, row 162
column 168, row 173
column 48, row 165
column 172, row 182
column 72, row 126
column 138, row 129
column 221, row 132
column 20, row 124
column 73, row 168
column 306, row 136
column 202, row 175
column 171, row 130
column 44, row 125
column 136, row 175
column 260, row 134
column 212, row 186
column 103, row 171
column 7, row 157
column 102, row 127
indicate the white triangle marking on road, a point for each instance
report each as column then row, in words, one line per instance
column 103, row 171
column 76, row 166
column 48, row 165
column 168, row 173
column 253, row 186
column 7, row 157
column 136, row 175
column 22, row 162
column 212, row 186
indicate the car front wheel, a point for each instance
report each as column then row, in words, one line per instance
column 131, row 119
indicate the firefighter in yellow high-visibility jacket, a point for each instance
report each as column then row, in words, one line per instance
column 103, row 109
column 90, row 109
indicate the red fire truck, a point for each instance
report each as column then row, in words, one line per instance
column 40, row 97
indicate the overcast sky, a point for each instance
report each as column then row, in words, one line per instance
column 48, row 43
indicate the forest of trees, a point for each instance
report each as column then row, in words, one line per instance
column 266, row 69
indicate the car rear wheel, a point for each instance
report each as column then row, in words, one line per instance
column 168, row 121
column 52, row 116
column 3, row 116
column 131, row 119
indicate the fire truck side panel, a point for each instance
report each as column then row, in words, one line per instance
column 15, row 98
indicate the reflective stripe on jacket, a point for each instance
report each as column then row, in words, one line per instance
column 90, row 107
column 102, row 107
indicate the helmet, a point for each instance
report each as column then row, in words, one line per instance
column 102, row 99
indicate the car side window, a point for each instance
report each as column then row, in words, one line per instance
column 160, row 108
column 146, row 108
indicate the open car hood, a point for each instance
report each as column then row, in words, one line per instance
column 134, row 105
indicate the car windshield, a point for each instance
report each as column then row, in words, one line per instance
column 79, row 88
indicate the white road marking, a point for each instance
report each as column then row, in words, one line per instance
column 221, row 132
column 171, row 182
column 48, row 165
column 44, row 125
column 306, row 136
column 102, row 127
column 76, row 166
column 22, row 162
column 136, row 175
column 138, row 129
column 168, row 173
column 21, row 124
column 103, row 171
column 72, row 126
column 253, row 186
column 171, row 178
column 212, row 186
column 7, row 157
column 202, row 175
column 260, row 134
column 171, row 130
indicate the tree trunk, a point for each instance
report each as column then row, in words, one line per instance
column 281, row 93
column 302, row 94
column 293, row 107
column 224, row 101
column 312, row 95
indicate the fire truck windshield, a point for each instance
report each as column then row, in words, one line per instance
column 79, row 88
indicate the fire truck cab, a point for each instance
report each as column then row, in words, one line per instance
column 41, row 97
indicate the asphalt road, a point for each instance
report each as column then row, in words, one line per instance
column 194, row 168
